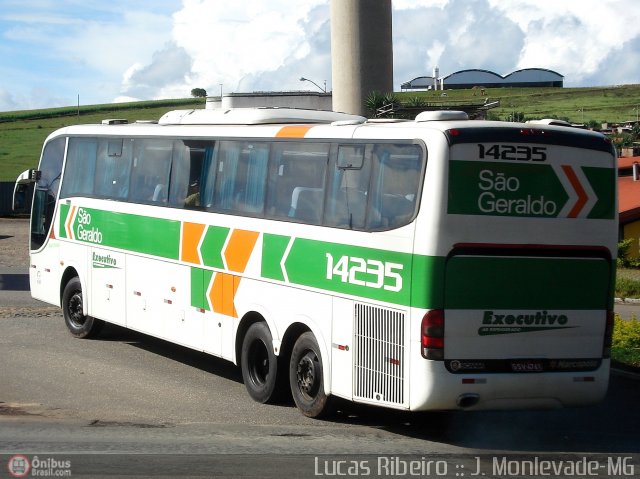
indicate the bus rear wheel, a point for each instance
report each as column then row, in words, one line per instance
column 306, row 377
column 79, row 325
column 259, row 363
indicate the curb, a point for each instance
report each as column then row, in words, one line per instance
column 627, row 301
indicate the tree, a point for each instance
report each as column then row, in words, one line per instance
column 416, row 102
column 199, row 92
column 374, row 100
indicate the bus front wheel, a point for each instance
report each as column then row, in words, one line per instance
column 306, row 377
column 259, row 363
column 79, row 324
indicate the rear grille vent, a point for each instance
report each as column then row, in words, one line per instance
column 379, row 354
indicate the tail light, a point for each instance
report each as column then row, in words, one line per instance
column 432, row 335
column 608, row 335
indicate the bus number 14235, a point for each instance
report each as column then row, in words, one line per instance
column 371, row 273
column 512, row 152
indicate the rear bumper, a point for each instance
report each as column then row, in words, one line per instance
column 432, row 387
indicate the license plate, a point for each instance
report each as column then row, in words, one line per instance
column 527, row 366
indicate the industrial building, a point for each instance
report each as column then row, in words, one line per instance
column 527, row 77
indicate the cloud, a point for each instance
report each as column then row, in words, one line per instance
column 460, row 36
column 312, row 59
column 53, row 50
column 619, row 67
column 267, row 46
column 231, row 40
column 7, row 101
column 243, row 46
column 169, row 67
column 574, row 37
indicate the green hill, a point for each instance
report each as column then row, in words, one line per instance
column 614, row 104
column 23, row 132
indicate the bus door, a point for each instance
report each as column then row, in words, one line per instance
column 44, row 253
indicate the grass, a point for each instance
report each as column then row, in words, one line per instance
column 625, row 348
column 627, row 283
column 626, row 333
column 22, row 133
column 613, row 104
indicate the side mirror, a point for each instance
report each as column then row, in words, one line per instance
column 23, row 190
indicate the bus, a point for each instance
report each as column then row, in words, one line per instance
column 439, row 263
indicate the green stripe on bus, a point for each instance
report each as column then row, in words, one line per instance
column 397, row 278
column 504, row 189
column 273, row 248
column 64, row 213
column 212, row 245
column 353, row 270
column 200, row 280
column 427, row 282
column 527, row 283
column 197, row 288
column 602, row 180
column 140, row 234
column 526, row 190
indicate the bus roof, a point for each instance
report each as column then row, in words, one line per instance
column 256, row 116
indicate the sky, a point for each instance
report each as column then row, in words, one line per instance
column 53, row 52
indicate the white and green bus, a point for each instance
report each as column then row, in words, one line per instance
column 439, row 263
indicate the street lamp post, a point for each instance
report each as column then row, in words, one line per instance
column 324, row 90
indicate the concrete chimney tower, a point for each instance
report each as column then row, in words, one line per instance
column 361, row 52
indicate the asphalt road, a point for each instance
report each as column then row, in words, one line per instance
column 128, row 405
column 128, row 394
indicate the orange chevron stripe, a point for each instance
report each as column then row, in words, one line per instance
column 191, row 234
column 216, row 294
column 69, row 222
column 582, row 195
column 293, row 131
column 223, row 293
column 239, row 249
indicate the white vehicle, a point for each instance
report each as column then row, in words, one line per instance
column 439, row 263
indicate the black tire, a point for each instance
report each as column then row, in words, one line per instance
column 79, row 325
column 259, row 363
column 306, row 377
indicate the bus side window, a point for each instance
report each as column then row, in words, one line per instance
column 297, row 181
column 348, row 187
column 113, row 168
column 150, row 174
column 80, row 167
column 395, row 181
column 190, row 170
column 241, row 177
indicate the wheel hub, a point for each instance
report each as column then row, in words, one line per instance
column 75, row 309
column 259, row 359
column 306, row 375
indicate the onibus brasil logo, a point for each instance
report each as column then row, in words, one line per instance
column 20, row 465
